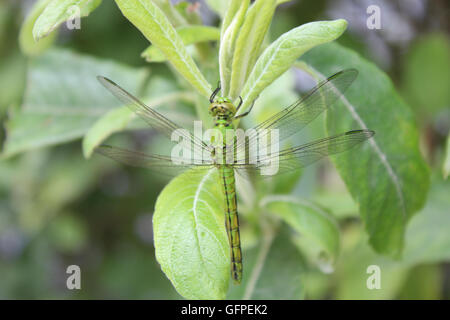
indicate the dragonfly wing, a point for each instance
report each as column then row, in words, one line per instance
column 295, row 117
column 157, row 163
column 298, row 157
column 156, row 120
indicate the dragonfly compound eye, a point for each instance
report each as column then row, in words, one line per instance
column 228, row 109
column 213, row 108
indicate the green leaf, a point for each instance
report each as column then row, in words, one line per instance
column 427, row 241
column 155, row 26
column 281, row 54
column 13, row 69
column 427, row 236
column 313, row 224
column 340, row 202
column 387, row 176
column 53, row 182
column 352, row 270
column 119, row 119
column 427, row 78
column 275, row 271
column 190, row 238
column 446, row 166
column 189, row 35
column 248, row 43
column 59, row 11
column 195, row 34
column 273, row 99
column 114, row 121
column 228, row 43
column 171, row 12
column 63, row 99
column 28, row 45
column 230, row 11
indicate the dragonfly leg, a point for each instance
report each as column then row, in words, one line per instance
column 245, row 113
column 211, row 99
column 240, row 104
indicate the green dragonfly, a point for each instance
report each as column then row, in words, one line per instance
column 287, row 122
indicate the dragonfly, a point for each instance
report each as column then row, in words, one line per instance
column 287, row 122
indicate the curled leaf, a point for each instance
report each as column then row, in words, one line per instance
column 189, row 35
column 59, row 11
column 156, row 27
column 282, row 53
column 314, row 225
column 28, row 45
column 227, row 45
column 248, row 43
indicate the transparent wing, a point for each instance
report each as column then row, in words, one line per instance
column 298, row 157
column 295, row 117
column 157, row 163
column 156, row 120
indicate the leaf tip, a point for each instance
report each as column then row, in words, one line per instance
column 341, row 24
column 36, row 36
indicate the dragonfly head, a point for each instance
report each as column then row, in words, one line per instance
column 222, row 107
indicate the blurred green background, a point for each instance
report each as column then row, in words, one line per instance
column 59, row 209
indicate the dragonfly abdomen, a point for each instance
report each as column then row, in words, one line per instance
column 232, row 221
